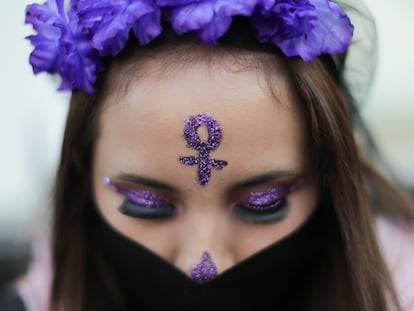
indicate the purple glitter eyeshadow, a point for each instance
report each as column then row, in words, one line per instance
column 205, row 164
column 262, row 198
column 204, row 271
column 141, row 197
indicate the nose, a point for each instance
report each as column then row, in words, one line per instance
column 204, row 249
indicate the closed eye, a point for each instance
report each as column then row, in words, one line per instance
column 265, row 213
column 145, row 211
column 142, row 203
column 268, row 205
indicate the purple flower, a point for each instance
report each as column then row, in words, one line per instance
column 72, row 44
column 305, row 28
column 60, row 48
column 111, row 21
column 209, row 19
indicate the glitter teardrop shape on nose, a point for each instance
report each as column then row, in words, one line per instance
column 204, row 271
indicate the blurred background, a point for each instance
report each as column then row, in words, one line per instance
column 33, row 113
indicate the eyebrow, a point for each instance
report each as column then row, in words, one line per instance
column 249, row 182
column 263, row 178
column 146, row 181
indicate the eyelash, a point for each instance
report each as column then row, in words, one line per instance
column 133, row 209
column 263, row 213
column 272, row 212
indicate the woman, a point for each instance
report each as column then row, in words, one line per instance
column 213, row 160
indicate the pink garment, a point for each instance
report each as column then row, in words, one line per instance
column 34, row 287
column 396, row 241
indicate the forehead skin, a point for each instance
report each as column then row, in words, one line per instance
column 141, row 132
column 150, row 117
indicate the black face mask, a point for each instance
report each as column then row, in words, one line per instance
column 280, row 276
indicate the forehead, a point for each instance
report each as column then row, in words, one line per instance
column 141, row 130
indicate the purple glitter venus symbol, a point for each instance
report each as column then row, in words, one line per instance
column 204, row 271
column 204, row 162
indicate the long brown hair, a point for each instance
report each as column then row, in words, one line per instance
column 356, row 275
column 346, row 177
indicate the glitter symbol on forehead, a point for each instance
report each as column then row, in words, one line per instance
column 204, row 162
column 204, row 271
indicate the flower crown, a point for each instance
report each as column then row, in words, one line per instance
column 73, row 42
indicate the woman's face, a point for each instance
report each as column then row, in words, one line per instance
column 145, row 192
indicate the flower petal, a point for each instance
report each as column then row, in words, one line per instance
column 233, row 7
column 79, row 68
column 333, row 26
column 110, row 22
column 192, row 16
column 209, row 19
column 172, row 3
column 60, row 48
column 44, row 18
column 305, row 28
column 215, row 29
column 148, row 27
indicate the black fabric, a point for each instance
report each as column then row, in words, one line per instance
column 10, row 300
column 280, row 277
